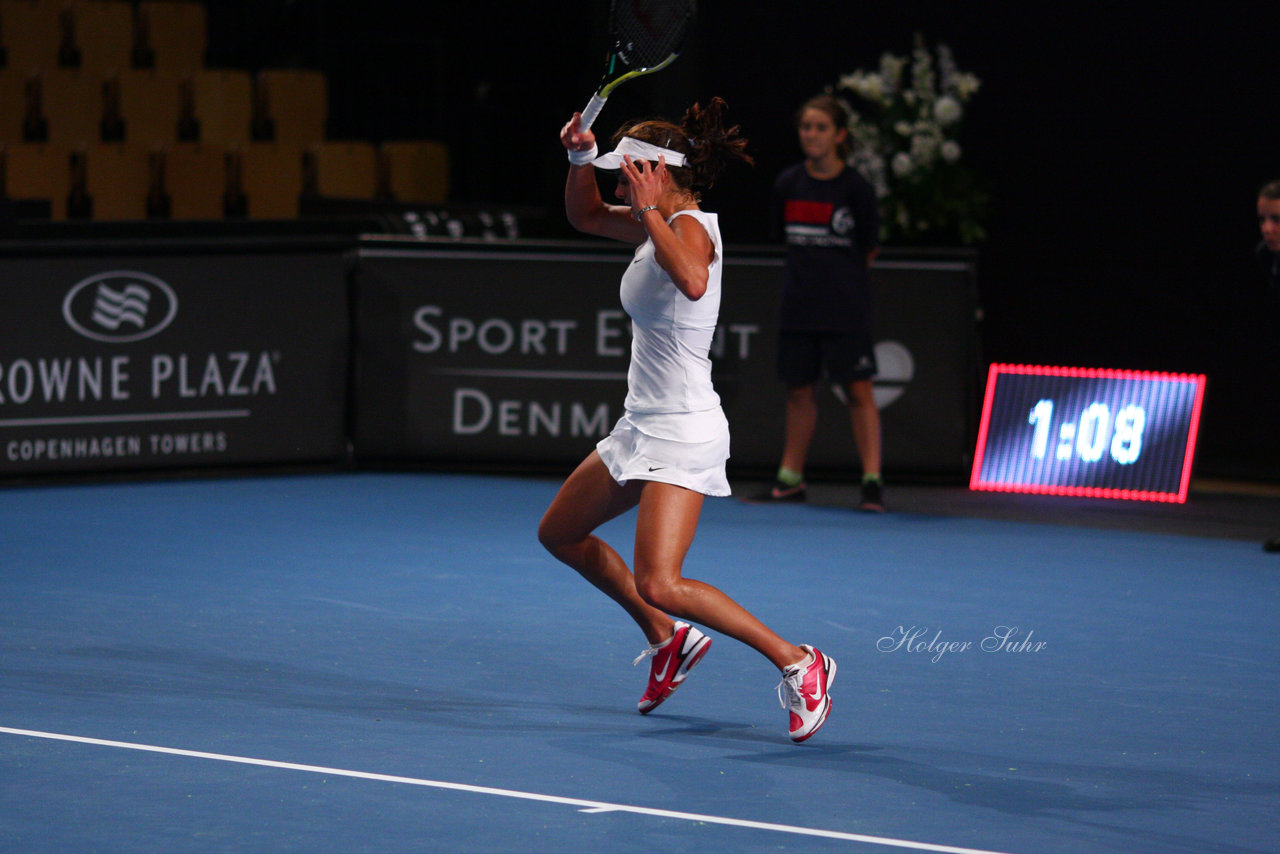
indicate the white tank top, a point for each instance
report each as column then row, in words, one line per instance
column 670, row 370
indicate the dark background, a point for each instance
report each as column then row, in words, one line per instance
column 1122, row 144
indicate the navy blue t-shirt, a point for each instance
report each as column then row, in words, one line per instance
column 1269, row 262
column 829, row 226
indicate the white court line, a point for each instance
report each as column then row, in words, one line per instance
column 583, row 805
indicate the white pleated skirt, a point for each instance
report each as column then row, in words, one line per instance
column 631, row 453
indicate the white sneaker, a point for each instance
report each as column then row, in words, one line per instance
column 804, row 690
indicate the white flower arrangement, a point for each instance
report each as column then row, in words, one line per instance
column 904, row 142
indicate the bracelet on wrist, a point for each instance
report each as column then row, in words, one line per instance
column 582, row 158
column 644, row 210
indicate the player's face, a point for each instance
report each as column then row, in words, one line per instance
column 623, row 190
column 818, row 134
column 1269, row 222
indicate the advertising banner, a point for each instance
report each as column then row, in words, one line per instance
column 521, row 358
column 116, row 362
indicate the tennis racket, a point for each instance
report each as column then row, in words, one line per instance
column 647, row 35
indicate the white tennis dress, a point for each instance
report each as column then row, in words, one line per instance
column 673, row 429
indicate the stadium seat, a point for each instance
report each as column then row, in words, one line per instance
column 270, row 175
column 173, row 34
column 118, row 177
column 341, row 170
column 37, row 171
column 31, row 32
column 416, row 170
column 222, row 100
column 13, row 105
column 294, row 102
column 72, row 105
column 195, row 179
column 103, row 34
column 150, row 105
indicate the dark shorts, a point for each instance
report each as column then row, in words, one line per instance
column 805, row 357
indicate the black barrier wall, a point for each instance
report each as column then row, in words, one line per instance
column 222, row 353
column 178, row 356
column 520, row 357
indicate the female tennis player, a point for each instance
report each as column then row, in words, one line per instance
column 669, row 448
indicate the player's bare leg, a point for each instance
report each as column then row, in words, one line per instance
column 587, row 499
column 665, row 527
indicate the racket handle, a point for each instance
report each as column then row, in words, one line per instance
column 592, row 110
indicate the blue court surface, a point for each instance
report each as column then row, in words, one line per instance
column 389, row 662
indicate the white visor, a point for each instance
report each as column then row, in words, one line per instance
column 638, row 151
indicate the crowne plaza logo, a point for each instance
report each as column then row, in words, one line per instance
column 120, row 306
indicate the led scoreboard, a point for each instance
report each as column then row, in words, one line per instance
column 1088, row 432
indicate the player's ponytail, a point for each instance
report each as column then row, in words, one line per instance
column 712, row 145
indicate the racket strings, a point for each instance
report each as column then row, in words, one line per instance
column 650, row 31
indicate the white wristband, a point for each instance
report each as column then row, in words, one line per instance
column 582, row 158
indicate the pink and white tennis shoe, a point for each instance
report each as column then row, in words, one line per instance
column 672, row 661
column 804, row 690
